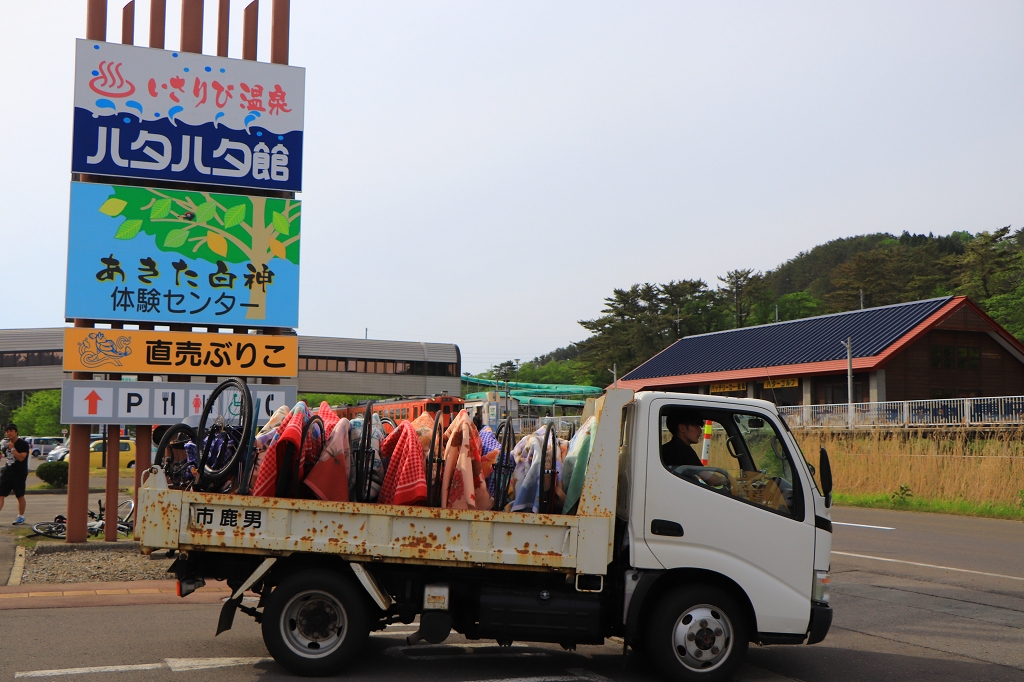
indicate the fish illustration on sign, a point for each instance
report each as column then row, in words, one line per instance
column 97, row 350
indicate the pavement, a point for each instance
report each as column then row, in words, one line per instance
column 916, row 596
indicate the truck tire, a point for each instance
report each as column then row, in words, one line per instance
column 315, row 622
column 698, row 633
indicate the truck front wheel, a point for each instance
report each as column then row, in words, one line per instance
column 315, row 621
column 698, row 633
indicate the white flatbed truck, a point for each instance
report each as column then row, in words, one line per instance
column 687, row 564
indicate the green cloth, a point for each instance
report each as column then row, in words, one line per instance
column 580, row 446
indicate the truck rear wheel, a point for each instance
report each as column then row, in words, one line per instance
column 698, row 633
column 315, row 622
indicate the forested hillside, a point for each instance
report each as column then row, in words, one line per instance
column 844, row 274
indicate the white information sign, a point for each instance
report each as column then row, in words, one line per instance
column 156, row 403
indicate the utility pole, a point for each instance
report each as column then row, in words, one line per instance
column 848, row 345
column 615, row 374
column 862, row 299
column 776, row 312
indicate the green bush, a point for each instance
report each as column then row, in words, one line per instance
column 54, row 473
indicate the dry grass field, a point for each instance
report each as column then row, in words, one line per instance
column 954, row 466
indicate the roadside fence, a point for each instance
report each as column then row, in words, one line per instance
column 1006, row 411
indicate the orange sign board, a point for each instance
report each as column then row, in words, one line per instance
column 132, row 351
column 729, row 387
column 788, row 382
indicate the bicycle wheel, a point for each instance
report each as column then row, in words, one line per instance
column 224, row 429
column 51, row 529
column 174, row 439
column 126, row 512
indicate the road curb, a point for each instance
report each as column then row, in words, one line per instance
column 61, row 491
column 125, row 593
column 18, row 569
column 61, row 547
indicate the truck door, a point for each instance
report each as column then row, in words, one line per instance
column 744, row 515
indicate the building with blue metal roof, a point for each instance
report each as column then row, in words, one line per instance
column 937, row 348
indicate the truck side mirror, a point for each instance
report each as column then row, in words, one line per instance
column 826, row 476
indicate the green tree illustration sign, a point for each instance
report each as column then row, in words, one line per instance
column 213, row 227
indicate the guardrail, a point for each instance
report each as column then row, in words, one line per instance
column 531, row 424
column 1005, row 411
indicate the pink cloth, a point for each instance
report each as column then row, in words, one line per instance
column 463, row 484
column 329, row 478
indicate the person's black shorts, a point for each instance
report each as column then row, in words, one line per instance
column 12, row 484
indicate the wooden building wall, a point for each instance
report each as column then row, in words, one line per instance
column 915, row 374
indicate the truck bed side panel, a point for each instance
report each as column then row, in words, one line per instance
column 263, row 525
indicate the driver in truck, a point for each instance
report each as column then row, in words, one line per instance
column 685, row 427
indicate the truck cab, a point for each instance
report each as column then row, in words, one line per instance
column 688, row 559
column 750, row 527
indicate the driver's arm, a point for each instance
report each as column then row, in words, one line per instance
column 713, row 478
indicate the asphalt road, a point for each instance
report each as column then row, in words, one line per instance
column 893, row 621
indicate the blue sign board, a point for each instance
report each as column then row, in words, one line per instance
column 140, row 254
column 184, row 117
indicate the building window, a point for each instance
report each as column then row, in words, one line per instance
column 942, row 357
column 36, row 358
column 960, row 357
column 308, row 364
column 968, row 358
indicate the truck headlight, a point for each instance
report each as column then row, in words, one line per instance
column 820, row 590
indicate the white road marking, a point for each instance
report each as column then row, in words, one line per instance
column 915, row 563
column 463, row 651
column 85, row 671
column 578, row 675
column 183, row 664
column 174, row 664
column 861, row 525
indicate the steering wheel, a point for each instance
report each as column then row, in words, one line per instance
column 695, row 472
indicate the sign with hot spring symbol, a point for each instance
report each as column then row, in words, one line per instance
column 141, row 254
column 182, row 117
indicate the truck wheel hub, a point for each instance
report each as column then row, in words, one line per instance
column 317, row 620
column 313, row 623
column 702, row 638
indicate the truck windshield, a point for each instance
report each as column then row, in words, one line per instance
column 746, row 456
column 800, row 452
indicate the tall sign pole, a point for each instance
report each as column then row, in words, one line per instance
column 204, row 238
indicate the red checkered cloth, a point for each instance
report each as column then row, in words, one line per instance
column 405, row 481
column 329, row 417
column 266, row 479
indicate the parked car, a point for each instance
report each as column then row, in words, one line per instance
column 127, row 453
column 58, row 454
column 42, row 445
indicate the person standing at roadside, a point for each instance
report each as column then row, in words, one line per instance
column 14, row 473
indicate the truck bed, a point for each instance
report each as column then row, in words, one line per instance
column 581, row 543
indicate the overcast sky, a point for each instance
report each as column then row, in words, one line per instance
column 485, row 173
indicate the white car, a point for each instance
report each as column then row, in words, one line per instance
column 58, row 454
column 43, row 445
